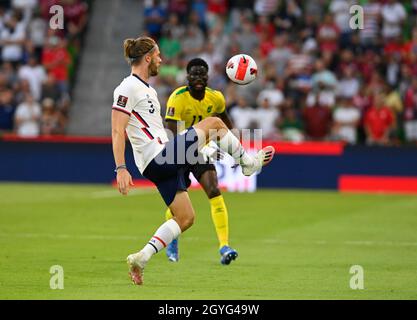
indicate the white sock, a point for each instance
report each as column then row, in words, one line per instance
column 167, row 232
column 230, row 144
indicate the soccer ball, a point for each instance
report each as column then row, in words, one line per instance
column 241, row 69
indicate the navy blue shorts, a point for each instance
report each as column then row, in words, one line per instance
column 170, row 176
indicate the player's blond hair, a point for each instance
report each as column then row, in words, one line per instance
column 136, row 49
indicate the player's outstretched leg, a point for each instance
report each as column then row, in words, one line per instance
column 219, row 214
column 183, row 213
column 172, row 249
column 230, row 144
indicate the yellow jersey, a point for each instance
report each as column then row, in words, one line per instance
column 181, row 106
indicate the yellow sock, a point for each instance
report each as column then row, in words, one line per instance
column 220, row 219
column 168, row 214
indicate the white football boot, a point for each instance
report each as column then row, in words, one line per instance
column 136, row 263
column 262, row 158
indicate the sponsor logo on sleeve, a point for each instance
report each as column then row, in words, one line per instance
column 122, row 101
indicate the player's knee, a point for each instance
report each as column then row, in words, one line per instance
column 214, row 122
column 219, row 123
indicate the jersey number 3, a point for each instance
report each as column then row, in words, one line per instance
column 151, row 108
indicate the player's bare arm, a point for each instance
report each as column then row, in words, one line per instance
column 172, row 126
column 119, row 123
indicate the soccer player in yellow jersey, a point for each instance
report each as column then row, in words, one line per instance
column 187, row 106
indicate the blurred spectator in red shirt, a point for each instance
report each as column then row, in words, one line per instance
column 410, row 47
column 348, row 60
column 317, row 121
column 328, row 34
column 218, row 7
column 367, row 64
column 395, row 47
column 56, row 60
column 75, row 13
column 266, row 44
column 265, row 26
column 379, row 121
column 45, row 6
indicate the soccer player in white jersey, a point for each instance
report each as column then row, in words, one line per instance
column 136, row 111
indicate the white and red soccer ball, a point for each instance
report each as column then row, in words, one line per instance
column 241, row 69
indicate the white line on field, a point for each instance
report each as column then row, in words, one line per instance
column 269, row 241
column 349, row 243
column 381, row 243
column 67, row 236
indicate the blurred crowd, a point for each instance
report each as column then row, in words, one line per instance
column 37, row 64
column 319, row 78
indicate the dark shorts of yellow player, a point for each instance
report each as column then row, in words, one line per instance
column 197, row 170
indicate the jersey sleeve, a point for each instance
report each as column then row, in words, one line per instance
column 220, row 102
column 123, row 100
column 174, row 108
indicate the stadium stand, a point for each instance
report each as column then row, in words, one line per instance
column 38, row 64
column 102, row 64
column 319, row 79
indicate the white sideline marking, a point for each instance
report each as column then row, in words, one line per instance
column 381, row 243
column 270, row 241
column 67, row 236
column 349, row 243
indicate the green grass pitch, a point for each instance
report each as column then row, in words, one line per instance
column 292, row 245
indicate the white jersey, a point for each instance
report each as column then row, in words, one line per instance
column 145, row 128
